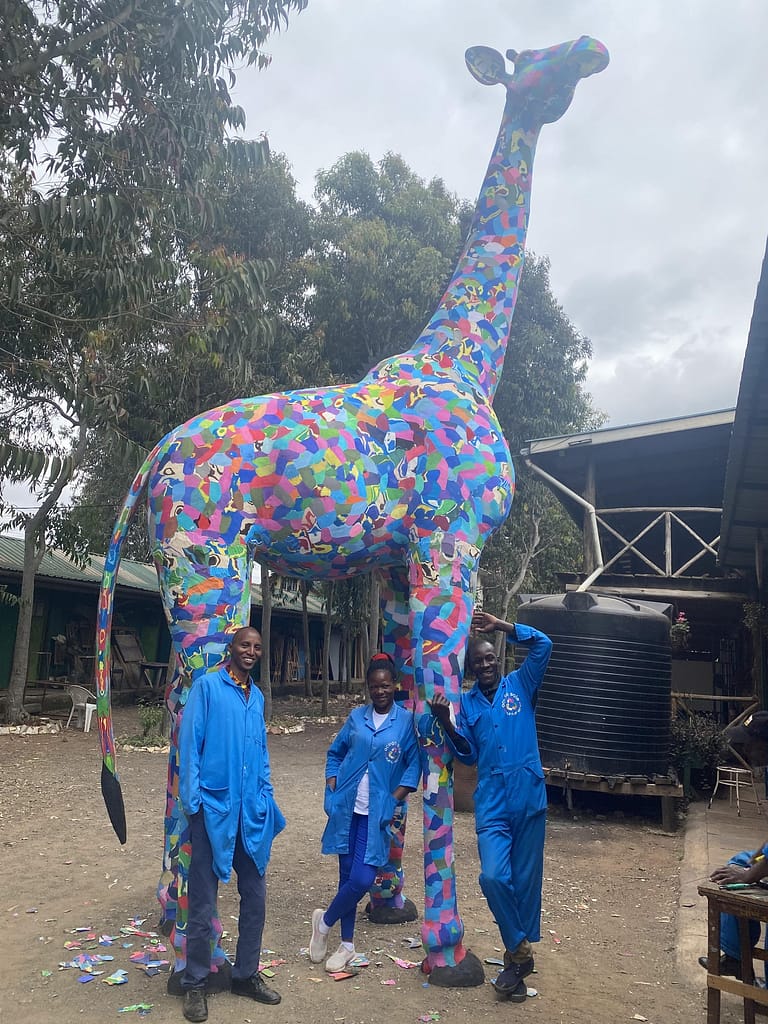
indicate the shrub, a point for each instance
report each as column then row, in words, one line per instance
column 151, row 721
column 697, row 747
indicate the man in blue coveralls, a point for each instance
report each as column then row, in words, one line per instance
column 497, row 731
column 745, row 868
column 226, row 792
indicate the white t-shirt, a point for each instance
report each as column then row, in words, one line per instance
column 362, row 796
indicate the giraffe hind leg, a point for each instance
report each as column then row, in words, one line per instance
column 388, row 903
column 206, row 596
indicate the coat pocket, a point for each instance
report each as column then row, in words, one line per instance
column 388, row 806
column 328, row 799
column 217, row 801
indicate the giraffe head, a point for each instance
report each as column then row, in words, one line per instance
column 541, row 87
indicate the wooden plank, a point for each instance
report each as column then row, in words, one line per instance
column 713, row 696
column 737, row 988
column 620, row 787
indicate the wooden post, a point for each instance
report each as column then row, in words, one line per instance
column 590, row 490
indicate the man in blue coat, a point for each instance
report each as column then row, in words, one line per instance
column 226, row 793
column 497, row 731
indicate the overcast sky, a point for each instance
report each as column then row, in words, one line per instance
column 649, row 196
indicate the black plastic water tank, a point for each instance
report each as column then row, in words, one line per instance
column 604, row 705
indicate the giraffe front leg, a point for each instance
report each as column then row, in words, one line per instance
column 388, row 905
column 441, row 582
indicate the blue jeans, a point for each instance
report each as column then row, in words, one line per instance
column 355, row 879
column 202, row 889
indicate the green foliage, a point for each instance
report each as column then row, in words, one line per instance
column 259, row 217
column 680, row 632
column 152, row 723
column 103, row 277
column 697, row 746
column 7, row 597
column 387, row 243
column 540, row 394
column 541, row 391
column 151, row 719
column 755, row 617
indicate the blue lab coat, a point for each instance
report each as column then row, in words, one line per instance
column 224, row 768
column 511, row 796
column 391, row 755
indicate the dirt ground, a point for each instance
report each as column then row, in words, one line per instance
column 610, row 901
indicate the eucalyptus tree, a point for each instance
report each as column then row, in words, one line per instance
column 117, row 115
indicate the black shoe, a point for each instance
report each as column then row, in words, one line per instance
column 728, row 965
column 195, row 1005
column 510, row 984
column 255, row 988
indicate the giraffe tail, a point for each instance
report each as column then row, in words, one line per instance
column 110, row 785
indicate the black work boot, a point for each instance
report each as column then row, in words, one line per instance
column 728, row 965
column 510, row 983
column 255, row 988
column 195, row 1005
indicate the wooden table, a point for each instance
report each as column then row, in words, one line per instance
column 744, row 904
column 153, row 676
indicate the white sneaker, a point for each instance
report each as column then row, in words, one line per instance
column 339, row 960
column 318, row 944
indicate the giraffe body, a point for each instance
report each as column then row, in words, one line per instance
column 406, row 472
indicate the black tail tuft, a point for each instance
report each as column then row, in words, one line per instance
column 113, row 798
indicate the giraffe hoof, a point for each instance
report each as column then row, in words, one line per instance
column 217, row 981
column 468, row 974
column 392, row 915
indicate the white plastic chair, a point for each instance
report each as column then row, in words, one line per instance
column 83, row 702
column 735, row 778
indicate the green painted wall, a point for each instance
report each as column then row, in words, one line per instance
column 9, row 615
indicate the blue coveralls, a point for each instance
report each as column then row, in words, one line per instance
column 511, row 796
column 226, row 792
column 729, row 925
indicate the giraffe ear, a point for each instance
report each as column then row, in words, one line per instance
column 486, row 65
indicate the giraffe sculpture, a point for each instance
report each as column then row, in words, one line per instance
column 406, row 473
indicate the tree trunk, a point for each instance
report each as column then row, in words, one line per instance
column 266, row 633
column 34, row 549
column 534, row 537
column 304, row 590
column 373, row 619
column 327, row 645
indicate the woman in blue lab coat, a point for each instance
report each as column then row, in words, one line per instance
column 371, row 767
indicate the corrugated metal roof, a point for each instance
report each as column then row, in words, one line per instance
column 59, row 566
column 632, row 431
column 56, row 565
column 745, row 505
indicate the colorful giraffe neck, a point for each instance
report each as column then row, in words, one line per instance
column 466, row 339
column 470, row 327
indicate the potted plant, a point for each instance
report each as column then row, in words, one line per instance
column 680, row 633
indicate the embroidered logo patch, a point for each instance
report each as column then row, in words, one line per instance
column 392, row 752
column 511, row 704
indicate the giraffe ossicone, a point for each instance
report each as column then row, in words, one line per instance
column 406, row 474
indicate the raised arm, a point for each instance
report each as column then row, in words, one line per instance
column 531, row 672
